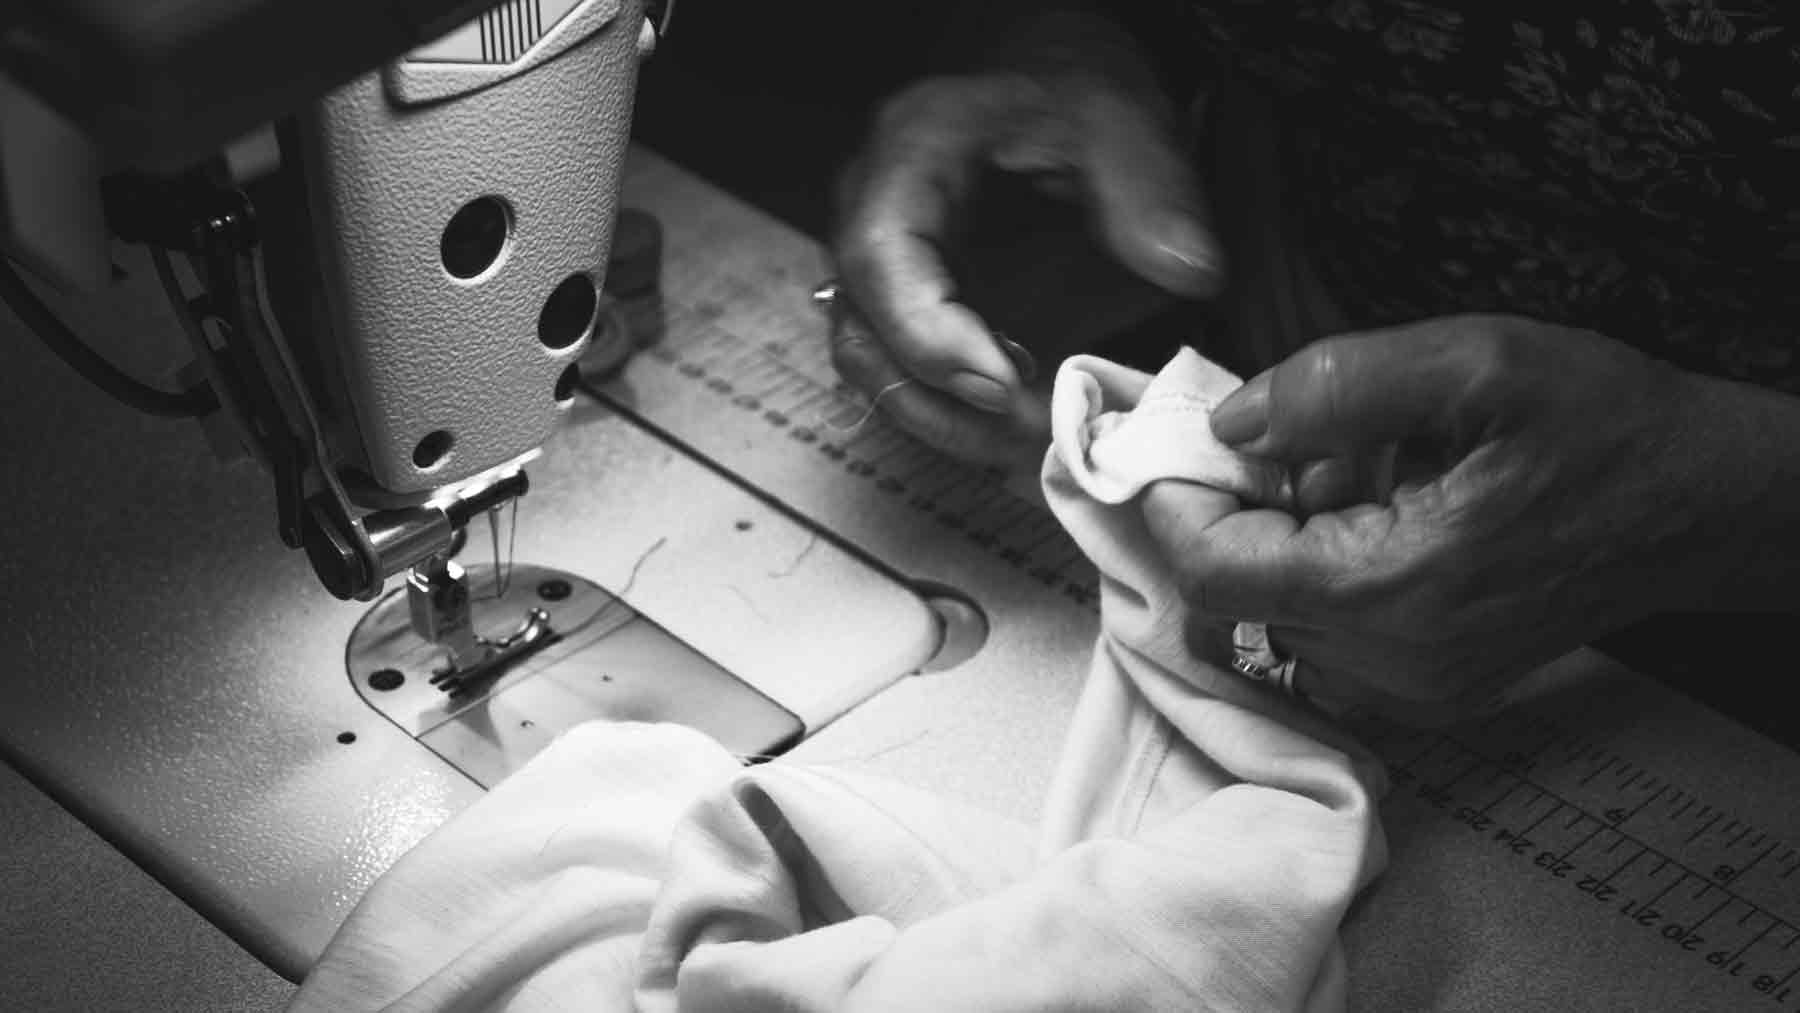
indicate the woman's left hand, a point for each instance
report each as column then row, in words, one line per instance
column 1473, row 496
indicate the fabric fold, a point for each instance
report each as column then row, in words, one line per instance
column 1201, row 843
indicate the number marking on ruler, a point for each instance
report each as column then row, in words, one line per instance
column 1693, row 877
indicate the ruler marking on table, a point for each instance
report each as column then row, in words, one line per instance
column 1754, row 862
column 1643, row 803
column 786, row 397
column 1427, row 751
column 1622, row 866
column 1708, row 825
column 1553, row 810
column 1596, row 771
column 1685, row 871
column 1569, row 852
column 1709, row 915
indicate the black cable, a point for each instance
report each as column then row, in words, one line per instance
column 93, row 367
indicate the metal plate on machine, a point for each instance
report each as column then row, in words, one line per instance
column 603, row 661
column 1611, row 845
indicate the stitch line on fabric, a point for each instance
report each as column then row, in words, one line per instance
column 1163, row 740
column 1175, row 403
column 1147, row 761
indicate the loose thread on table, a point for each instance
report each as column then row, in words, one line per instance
column 867, row 414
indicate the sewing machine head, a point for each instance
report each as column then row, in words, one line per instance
column 387, row 288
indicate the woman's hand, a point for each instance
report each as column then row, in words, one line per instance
column 1069, row 100
column 1478, row 495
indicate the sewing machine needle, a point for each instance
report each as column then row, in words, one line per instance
column 493, row 517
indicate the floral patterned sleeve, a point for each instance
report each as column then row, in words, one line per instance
column 1632, row 166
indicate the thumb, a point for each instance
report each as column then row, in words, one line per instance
column 1145, row 198
column 1356, row 393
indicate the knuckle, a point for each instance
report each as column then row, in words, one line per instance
column 860, row 262
column 1321, row 365
column 857, row 240
column 1314, row 383
column 921, row 105
column 1491, row 352
column 1344, row 595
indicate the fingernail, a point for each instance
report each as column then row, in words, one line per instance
column 1195, row 268
column 1244, row 415
column 1021, row 357
column 983, row 392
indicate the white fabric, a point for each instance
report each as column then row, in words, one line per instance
column 1201, row 843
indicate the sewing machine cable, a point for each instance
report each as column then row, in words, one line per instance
column 93, row 367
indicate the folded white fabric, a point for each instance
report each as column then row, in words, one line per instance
column 1201, row 843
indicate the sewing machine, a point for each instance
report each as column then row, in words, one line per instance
column 395, row 283
column 712, row 532
column 385, row 304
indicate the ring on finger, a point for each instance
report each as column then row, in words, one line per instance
column 1253, row 656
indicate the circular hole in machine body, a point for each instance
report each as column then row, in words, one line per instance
column 431, row 449
column 474, row 237
column 565, row 383
column 569, row 313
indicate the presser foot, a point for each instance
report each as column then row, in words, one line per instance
column 532, row 636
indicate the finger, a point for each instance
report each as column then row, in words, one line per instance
column 1145, row 198
column 1338, row 482
column 1334, row 689
column 1326, row 485
column 1354, row 393
column 1309, row 682
column 1265, row 565
column 1420, row 684
column 899, row 210
column 931, row 416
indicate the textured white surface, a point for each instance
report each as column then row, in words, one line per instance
column 422, row 350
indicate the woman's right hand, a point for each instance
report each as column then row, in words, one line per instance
column 1069, row 99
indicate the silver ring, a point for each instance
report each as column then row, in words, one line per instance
column 825, row 295
column 1253, row 657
